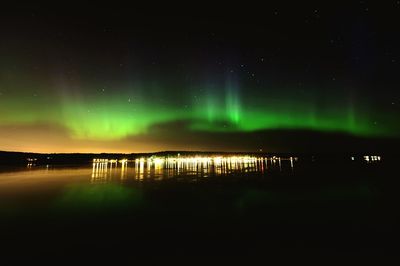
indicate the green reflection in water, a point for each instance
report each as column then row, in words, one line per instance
column 99, row 197
column 252, row 197
column 258, row 197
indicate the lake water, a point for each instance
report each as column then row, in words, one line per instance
column 218, row 202
column 188, row 169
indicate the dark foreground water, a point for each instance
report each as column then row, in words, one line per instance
column 226, row 208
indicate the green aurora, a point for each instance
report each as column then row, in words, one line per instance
column 307, row 78
column 101, row 115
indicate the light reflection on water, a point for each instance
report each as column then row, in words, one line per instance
column 143, row 169
column 104, row 170
column 159, row 168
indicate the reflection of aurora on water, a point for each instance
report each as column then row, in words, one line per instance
column 105, row 170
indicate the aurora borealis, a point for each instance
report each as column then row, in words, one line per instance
column 118, row 83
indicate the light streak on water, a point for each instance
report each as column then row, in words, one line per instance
column 156, row 168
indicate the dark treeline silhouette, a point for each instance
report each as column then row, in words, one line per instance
column 21, row 158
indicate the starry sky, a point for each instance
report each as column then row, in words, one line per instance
column 274, row 78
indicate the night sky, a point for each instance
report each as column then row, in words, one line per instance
column 274, row 78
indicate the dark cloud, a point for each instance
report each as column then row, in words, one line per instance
column 178, row 135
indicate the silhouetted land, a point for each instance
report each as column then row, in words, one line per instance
column 21, row 158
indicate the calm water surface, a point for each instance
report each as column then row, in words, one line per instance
column 231, row 205
column 106, row 171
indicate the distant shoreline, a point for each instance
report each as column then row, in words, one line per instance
column 21, row 158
